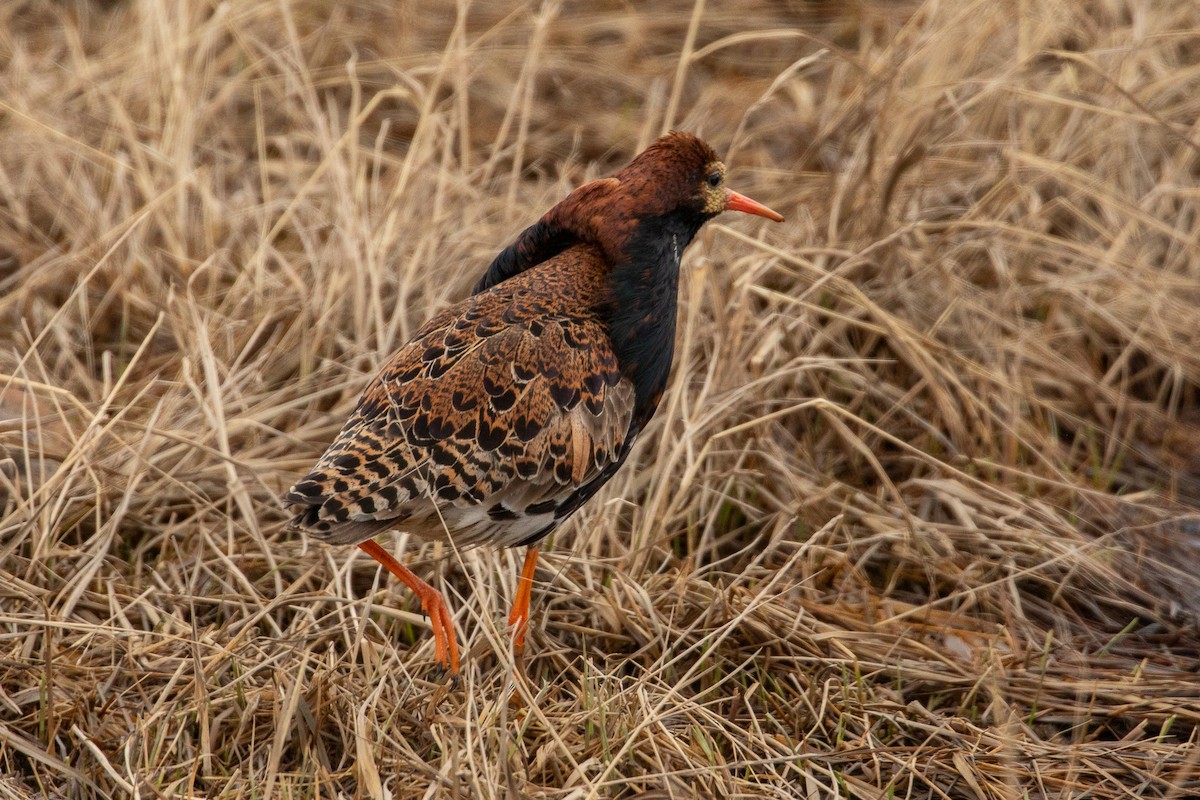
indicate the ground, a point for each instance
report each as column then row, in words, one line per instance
column 917, row 517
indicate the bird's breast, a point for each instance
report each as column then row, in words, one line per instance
column 645, row 292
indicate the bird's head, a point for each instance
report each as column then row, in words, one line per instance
column 667, row 192
column 679, row 174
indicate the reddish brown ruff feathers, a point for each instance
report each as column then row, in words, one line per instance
column 606, row 212
column 509, row 410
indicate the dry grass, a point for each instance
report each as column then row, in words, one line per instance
column 918, row 518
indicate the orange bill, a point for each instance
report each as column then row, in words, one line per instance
column 739, row 202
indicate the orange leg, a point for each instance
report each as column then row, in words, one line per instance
column 518, row 620
column 444, row 642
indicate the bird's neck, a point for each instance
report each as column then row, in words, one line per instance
column 645, row 286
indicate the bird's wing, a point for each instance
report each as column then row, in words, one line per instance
column 492, row 424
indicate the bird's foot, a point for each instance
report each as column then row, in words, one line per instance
column 444, row 641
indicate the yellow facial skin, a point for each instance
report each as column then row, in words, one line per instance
column 714, row 197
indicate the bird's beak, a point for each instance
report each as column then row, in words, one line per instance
column 739, row 202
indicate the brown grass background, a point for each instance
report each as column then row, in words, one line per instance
column 918, row 517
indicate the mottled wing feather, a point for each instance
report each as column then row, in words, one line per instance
column 483, row 427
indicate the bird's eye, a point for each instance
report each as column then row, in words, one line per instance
column 713, row 179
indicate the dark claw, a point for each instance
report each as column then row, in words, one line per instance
column 448, row 680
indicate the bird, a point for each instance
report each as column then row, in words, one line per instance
column 509, row 410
